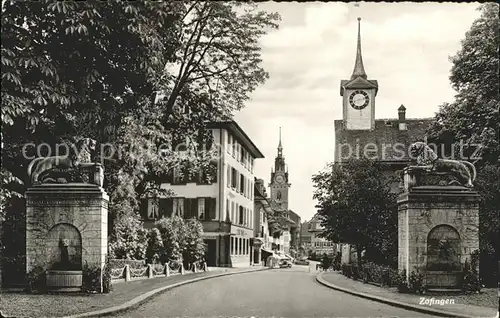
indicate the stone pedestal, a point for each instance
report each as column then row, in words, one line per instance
column 66, row 230
column 438, row 230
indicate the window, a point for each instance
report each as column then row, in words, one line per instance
column 228, row 212
column 190, row 208
column 251, row 190
column 234, row 148
column 228, row 181
column 238, row 150
column 229, row 142
column 178, row 207
column 242, row 184
column 241, row 216
column 234, row 179
column 201, row 208
column 153, row 212
column 232, row 245
column 243, row 156
column 240, row 243
column 232, row 212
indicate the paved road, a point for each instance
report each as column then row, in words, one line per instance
column 291, row 292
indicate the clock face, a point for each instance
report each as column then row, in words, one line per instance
column 359, row 99
column 280, row 179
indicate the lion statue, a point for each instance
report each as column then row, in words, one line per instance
column 43, row 168
column 463, row 170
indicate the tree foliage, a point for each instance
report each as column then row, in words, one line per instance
column 95, row 69
column 474, row 115
column 357, row 207
column 194, row 247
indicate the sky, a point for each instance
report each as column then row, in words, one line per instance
column 405, row 47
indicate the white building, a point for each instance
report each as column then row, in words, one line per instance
column 320, row 245
column 225, row 206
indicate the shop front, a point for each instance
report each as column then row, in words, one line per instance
column 240, row 246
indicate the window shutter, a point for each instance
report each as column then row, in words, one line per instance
column 210, row 208
column 166, row 207
column 144, row 209
column 194, row 208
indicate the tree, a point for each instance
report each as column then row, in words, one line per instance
column 357, row 207
column 93, row 69
column 473, row 117
column 172, row 231
column 155, row 246
column 194, row 247
column 132, row 240
column 218, row 56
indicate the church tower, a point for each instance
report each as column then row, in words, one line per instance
column 279, row 180
column 358, row 94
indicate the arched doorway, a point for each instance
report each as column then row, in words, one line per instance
column 443, row 249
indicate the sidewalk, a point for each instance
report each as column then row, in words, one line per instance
column 460, row 308
column 59, row 305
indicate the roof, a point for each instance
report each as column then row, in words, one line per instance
column 386, row 143
column 240, row 135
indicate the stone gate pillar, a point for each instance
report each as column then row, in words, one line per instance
column 438, row 230
column 66, row 230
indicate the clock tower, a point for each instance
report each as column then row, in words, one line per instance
column 279, row 180
column 358, row 94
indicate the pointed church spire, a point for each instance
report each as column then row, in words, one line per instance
column 359, row 69
column 280, row 146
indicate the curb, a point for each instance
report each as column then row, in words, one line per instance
column 425, row 310
column 144, row 297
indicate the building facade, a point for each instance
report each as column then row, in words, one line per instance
column 320, row 245
column 262, row 242
column 358, row 134
column 225, row 206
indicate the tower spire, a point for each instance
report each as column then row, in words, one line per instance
column 359, row 69
column 280, row 146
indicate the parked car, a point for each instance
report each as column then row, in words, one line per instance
column 285, row 263
column 302, row 261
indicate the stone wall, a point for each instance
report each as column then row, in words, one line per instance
column 422, row 209
column 83, row 208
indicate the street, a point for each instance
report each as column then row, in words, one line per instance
column 291, row 292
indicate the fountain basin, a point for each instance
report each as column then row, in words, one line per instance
column 64, row 281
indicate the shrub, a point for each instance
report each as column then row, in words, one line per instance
column 416, row 282
column 401, row 282
column 155, row 246
column 129, row 240
column 91, row 279
column 194, row 247
column 132, row 263
column 36, row 280
column 471, row 282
